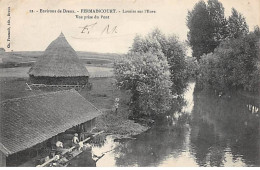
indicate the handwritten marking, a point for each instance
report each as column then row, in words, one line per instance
column 87, row 27
column 107, row 30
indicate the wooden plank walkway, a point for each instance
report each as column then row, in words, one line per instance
column 74, row 153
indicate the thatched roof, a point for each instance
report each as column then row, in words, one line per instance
column 28, row 121
column 2, row 50
column 59, row 60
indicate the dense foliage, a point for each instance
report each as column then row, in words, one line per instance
column 172, row 49
column 208, row 27
column 192, row 67
column 147, row 77
column 154, row 71
column 234, row 65
column 237, row 25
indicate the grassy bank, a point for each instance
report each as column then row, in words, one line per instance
column 13, row 87
column 103, row 95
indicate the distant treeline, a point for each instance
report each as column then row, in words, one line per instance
column 27, row 58
column 33, row 55
column 14, row 64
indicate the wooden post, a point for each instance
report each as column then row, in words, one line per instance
column 2, row 159
column 28, row 86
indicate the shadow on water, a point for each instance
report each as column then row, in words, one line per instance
column 165, row 141
column 225, row 131
column 151, row 148
column 210, row 131
column 83, row 160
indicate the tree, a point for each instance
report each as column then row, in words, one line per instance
column 237, row 25
column 233, row 65
column 172, row 49
column 147, row 77
column 207, row 27
column 192, row 67
column 198, row 22
column 218, row 22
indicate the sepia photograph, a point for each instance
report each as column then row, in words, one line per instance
column 129, row 83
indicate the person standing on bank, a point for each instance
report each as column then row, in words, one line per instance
column 116, row 104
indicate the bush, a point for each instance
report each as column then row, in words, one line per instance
column 172, row 49
column 234, row 65
column 147, row 77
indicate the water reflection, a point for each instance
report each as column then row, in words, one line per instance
column 224, row 132
column 151, row 148
column 221, row 131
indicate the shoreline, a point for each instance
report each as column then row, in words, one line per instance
column 119, row 126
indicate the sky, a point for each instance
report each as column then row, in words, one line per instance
column 35, row 31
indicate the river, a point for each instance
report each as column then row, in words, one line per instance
column 221, row 131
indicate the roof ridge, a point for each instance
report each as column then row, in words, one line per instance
column 4, row 149
column 35, row 95
column 93, row 105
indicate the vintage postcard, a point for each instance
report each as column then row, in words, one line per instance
column 129, row 83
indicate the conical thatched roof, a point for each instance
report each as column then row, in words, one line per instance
column 59, row 60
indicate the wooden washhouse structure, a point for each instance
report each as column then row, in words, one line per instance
column 31, row 125
column 59, row 66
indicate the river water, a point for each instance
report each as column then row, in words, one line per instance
column 221, row 131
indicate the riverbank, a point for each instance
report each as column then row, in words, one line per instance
column 119, row 126
column 103, row 95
